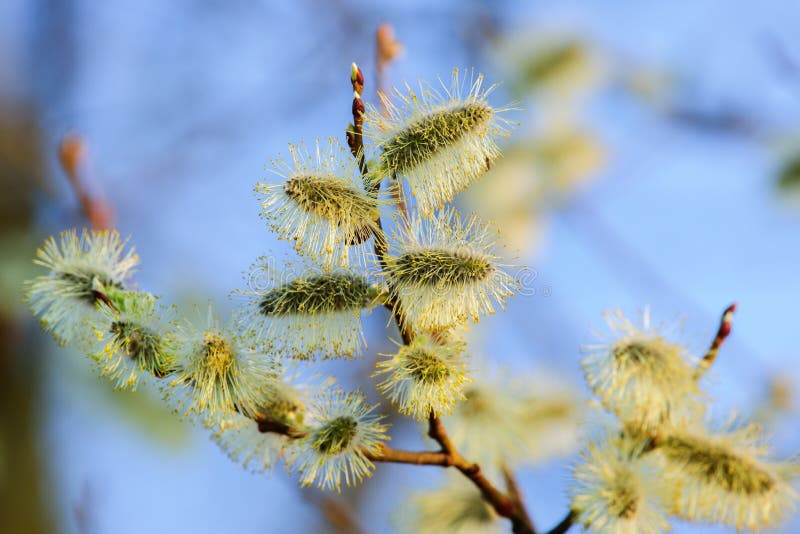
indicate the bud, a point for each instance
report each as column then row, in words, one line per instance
column 356, row 76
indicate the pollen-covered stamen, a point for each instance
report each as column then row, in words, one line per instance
column 140, row 343
column 635, row 353
column 322, row 293
column 432, row 267
column 718, row 465
column 217, row 355
column 426, row 367
column 423, row 139
column 623, row 499
column 336, row 435
column 328, row 197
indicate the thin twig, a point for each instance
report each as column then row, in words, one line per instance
column 565, row 524
column 389, row 455
column 722, row 334
column 516, row 495
column 355, row 140
column 500, row 502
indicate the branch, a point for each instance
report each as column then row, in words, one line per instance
column 355, row 140
column 565, row 524
column 449, row 456
column 516, row 496
column 500, row 502
column 722, row 334
column 389, row 455
column 72, row 156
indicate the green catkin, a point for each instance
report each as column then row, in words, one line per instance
column 717, row 465
column 141, row 344
column 335, row 436
column 323, row 293
column 423, row 139
column 326, row 197
column 435, row 267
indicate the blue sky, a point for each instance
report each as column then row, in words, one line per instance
column 183, row 107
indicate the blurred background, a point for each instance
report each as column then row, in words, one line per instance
column 657, row 163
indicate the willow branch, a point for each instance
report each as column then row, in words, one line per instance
column 499, row 501
column 449, row 455
column 722, row 334
column 516, row 495
column 565, row 524
column 389, row 455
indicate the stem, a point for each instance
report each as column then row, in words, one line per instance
column 722, row 334
column 500, row 502
column 389, row 455
column 449, row 455
column 565, row 523
column 515, row 494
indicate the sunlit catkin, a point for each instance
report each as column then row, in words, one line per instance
column 129, row 340
column 440, row 139
column 445, row 272
column 425, row 377
column 308, row 310
column 342, row 427
column 726, row 477
column 222, row 370
column 320, row 204
column 615, row 491
column 640, row 376
column 81, row 269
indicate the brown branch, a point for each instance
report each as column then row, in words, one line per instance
column 355, row 140
column 515, row 495
column 389, row 455
column 500, row 502
column 449, row 455
column 722, row 334
column 565, row 524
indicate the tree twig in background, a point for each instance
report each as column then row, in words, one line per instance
column 72, row 156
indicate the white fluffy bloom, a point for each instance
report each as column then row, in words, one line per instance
column 640, row 376
column 321, row 204
column 243, row 439
column 81, row 269
column 130, row 340
column 440, row 139
column 444, row 272
column 221, row 370
column 456, row 507
column 342, row 427
column 726, row 477
column 616, row 491
column 515, row 419
column 425, row 377
column 309, row 310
